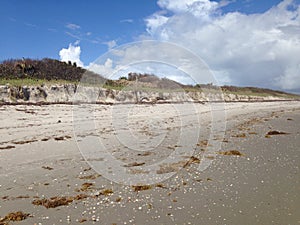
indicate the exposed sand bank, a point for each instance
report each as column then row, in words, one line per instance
column 69, row 93
column 42, row 151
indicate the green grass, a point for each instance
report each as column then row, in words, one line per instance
column 262, row 94
column 144, row 88
column 33, row 82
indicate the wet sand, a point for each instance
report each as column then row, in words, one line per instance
column 54, row 151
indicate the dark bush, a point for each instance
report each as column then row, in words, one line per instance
column 49, row 69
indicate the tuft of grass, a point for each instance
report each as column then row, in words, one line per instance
column 33, row 82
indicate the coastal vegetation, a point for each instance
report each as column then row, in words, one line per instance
column 35, row 72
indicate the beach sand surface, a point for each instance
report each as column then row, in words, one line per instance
column 233, row 163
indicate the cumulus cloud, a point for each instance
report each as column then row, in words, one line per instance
column 72, row 53
column 105, row 69
column 152, row 57
column 241, row 49
column 199, row 8
column 155, row 22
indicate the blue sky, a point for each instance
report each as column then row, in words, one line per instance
column 258, row 43
column 39, row 29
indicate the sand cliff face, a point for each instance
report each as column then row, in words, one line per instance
column 69, row 93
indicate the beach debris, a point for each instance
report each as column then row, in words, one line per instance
column 134, row 164
column 14, row 216
column 80, row 197
column 144, row 154
column 170, row 167
column 24, row 142
column 290, row 119
column 242, row 135
column 14, row 198
column 22, row 196
column 176, row 166
column 47, row 167
column 138, row 188
column 87, row 169
column 90, row 177
column 53, row 202
column 192, row 160
column 203, row 143
column 86, row 186
column 160, row 186
column 45, row 139
column 275, row 132
column 56, row 201
column 167, row 168
column 106, row 192
column 62, row 138
column 138, row 171
column 7, row 147
column 118, row 199
column 198, row 180
column 231, row 152
column 211, row 157
column 82, row 220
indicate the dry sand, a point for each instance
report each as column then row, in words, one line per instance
column 61, row 152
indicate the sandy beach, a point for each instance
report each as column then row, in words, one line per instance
column 232, row 163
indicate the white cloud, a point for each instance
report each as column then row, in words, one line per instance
column 105, row 69
column 154, row 22
column 30, row 25
column 159, row 58
column 72, row 53
column 290, row 79
column 52, row 30
column 255, row 49
column 72, row 26
column 126, row 21
column 197, row 7
column 111, row 44
column 77, row 42
column 73, row 35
